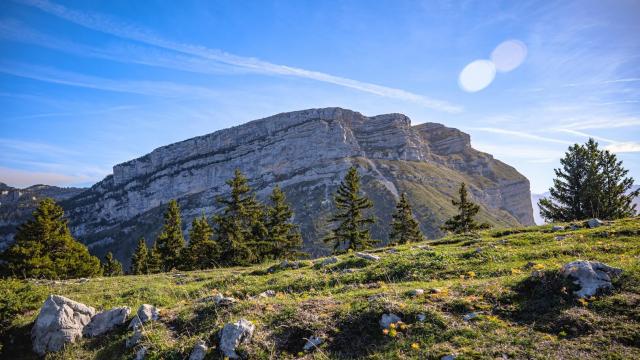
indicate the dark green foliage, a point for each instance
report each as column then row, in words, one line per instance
column 284, row 239
column 240, row 231
column 139, row 259
column 464, row 222
column 352, row 232
column 202, row 252
column 111, row 266
column 404, row 228
column 18, row 297
column 154, row 261
column 170, row 241
column 44, row 248
column 591, row 183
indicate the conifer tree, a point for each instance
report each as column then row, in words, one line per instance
column 352, row 231
column 464, row 221
column 170, row 241
column 239, row 228
column 591, row 183
column 44, row 247
column 139, row 258
column 202, row 252
column 284, row 236
column 154, row 262
column 111, row 266
column 404, row 228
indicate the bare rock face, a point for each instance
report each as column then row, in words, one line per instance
column 592, row 276
column 60, row 321
column 233, row 335
column 307, row 153
column 106, row 321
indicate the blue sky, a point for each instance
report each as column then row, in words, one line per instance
column 85, row 85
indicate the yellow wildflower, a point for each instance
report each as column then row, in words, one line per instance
column 415, row 346
column 471, row 274
column 538, row 266
column 392, row 325
column 393, row 333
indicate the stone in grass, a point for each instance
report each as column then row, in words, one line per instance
column 594, row 223
column 368, row 256
column 233, row 335
column 222, row 300
column 312, row 343
column 557, row 228
column 199, row 350
column 470, row 316
column 448, row 357
column 60, row 321
column 591, row 276
column 106, row 321
column 387, row 319
column 145, row 313
column 416, row 292
column 560, row 237
column 135, row 337
column 267, row 294
column 421, row 317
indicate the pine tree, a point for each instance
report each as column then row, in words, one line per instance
column 352, row 231
column 202, row 252
column 139, row 258
column 591, row 183
column 284, row 236
column 170, row 241
column 111, row 266
column 239, row 228
column 464, row 222
column 154, row 262
column 404, row 228
column 44, row 248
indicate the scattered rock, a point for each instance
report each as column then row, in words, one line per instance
column 416, row 292
column 60, row 321
column 592, row 276
column 392, row 251
column 560, row 237
column 557, row 228
column 448, row 357
column 348, row 271
column 222, row 300
column 574, row 227
column 233, row 334
column 388, row 319
column 268, row 293
column 594, row 223
column 367, row 256
column 106, row 321
column 478, row 250
column 328, row 261
column 145, row 313
column 470, row 316
column 140, row 354
column 135, row 337
column 199, row 350
column 421, row 317
column 286, row 264
column 312, row 343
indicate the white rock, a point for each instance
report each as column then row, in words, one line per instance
column 557, row 228
column 591, row 276
column 594, row 223
column 391, row 251
column 268, row 293
column 199, row 350
column 421, row 317
column 470, row 316
column 222, row 300
column 233, row 335
column 388, row 319
column 60, row 321
column 560, row 237
column 106, row 321
column 312, row 343
column 416, row 292
column 367, row 256
column 147, row 312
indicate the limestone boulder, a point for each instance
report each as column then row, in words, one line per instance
column 234, row 334
column 106, row 321
column 591, row 276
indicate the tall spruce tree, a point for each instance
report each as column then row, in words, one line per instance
column 285, row 240
column 404, row 228
column 464, row 221
column 202, row 252
column 154, row 261
column 139, row 258
column 111, row 266
column 44, row 248
column 591, row 183
column 239, row 228
column 170, row 241
column 352, row 231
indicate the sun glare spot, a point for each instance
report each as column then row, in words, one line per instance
column 509, row 55
column 477, row 75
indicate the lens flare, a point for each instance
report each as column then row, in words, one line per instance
column 509, row 55
column 477, row 75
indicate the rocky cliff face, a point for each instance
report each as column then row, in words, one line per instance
column 307, row 153
column 16, row 206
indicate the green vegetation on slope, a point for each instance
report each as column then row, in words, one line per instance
column 520, row 316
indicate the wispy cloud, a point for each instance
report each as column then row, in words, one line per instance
column 520, row 134
column 585, row 135
column 624, row 147
column 604, row 122
column 99, row 22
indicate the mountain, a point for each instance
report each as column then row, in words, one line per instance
column 307, row 153
column 16, row 205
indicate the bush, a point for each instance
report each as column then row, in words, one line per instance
column 18, row 297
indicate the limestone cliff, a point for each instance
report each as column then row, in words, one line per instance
column 306, row 152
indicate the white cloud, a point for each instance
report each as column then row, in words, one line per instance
column 114, row 27
column 520, row 134
column 624, row 147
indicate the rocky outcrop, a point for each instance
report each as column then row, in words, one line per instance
column 307, row 153
column 591, row 276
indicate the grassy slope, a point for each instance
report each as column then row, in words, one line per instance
column 522, row 317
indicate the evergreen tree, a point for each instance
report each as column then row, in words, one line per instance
column 239, row 228
column 202, row 252
column 404, row 228
column 284, row 236
column 591, row 183
column 352, row 231
column 464, row 222
column 170, row 241
column 154, row 262
column 44, row 247
column 139, row 259
column 111, row 266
